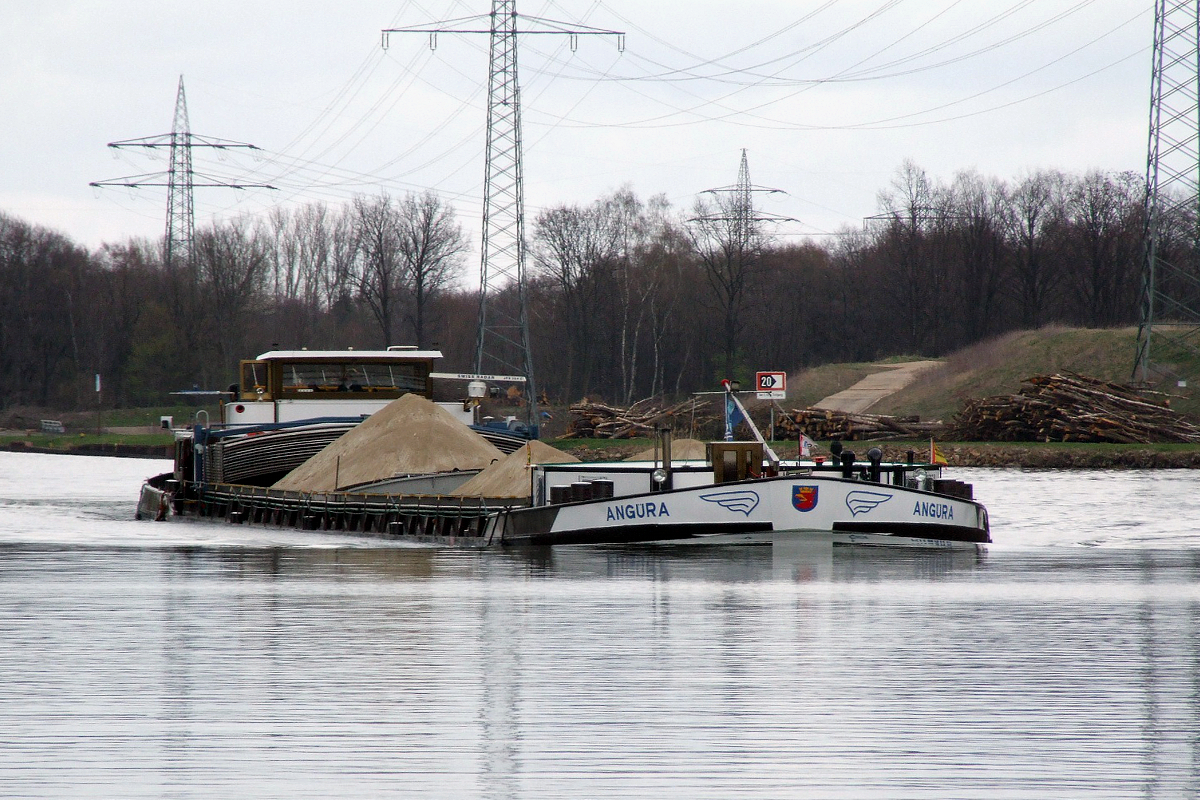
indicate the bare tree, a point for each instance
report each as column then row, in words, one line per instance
column 232, row 260
column 1104, row 226
column 728, row 243
column 640, row 263
column 35, row 333
column 978, row 206
column 1034, row 210
column 664, row 254
column 910, row 207
column 283, row 254
column 340, row 279
column 379, row 268
column 125, row 300
column 574, row 246
column 432, row 245
column 301, row 244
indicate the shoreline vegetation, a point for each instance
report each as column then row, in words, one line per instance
column 1028, row 455
column 998, row 367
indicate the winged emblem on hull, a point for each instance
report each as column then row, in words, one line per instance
column 862, row 502
column 742, row 500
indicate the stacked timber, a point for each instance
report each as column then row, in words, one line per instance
column 822, row 424
column 643, row 418
column 1067, row 407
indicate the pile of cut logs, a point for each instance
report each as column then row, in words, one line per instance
column 1074, row 408
column 822, row 424
column 600, row 421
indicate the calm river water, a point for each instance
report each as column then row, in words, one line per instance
column 202, row 660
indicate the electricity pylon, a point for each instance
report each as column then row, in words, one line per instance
column 739, row 214
column 502, row 340
column 180, row 179
column 1170, row 300
column 730, row 247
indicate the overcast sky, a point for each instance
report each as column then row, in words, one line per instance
column 828, row 97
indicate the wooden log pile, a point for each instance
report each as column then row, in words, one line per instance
column 823, row 424
column 601, row 421
column 1067, row 407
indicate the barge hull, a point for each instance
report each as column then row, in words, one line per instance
column 765, row 511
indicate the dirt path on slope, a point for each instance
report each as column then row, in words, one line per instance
column 873, row 388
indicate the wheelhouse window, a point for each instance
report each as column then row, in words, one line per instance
column 254, row 377
column 305, row 378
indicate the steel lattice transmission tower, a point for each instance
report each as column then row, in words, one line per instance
column 730, row 242
column 502, row 340
column 739, row 213
column 743, row 202
column 181, row 209
column 180, row 179
column 1170, row 302
column 502, row 261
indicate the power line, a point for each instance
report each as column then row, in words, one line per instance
column 701, row 111
column 502, row 341
column 180, row 179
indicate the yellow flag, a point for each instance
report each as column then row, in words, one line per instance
column 935, row 456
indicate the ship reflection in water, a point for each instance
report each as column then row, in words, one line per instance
column 223, row 661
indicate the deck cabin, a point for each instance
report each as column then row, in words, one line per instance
column 283, row 386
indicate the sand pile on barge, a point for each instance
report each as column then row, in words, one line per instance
column 510, row 477
column 409, row 436
column 681, row 450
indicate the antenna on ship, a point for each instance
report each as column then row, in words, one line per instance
column 502, row 341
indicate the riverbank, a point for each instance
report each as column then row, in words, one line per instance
column 1030, row 455
column 106, row 445
column 1059, row 455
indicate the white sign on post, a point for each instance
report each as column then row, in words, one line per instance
column 771, row 385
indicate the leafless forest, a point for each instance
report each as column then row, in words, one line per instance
column 628, row 296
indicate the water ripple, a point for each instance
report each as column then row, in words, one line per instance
column 201, row 660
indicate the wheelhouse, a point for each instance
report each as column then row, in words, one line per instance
column 285, row 385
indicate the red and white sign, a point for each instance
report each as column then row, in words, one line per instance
column 771, row 385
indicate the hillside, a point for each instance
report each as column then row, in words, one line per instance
column 998, row 366
column 811, row 385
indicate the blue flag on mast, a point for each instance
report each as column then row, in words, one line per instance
column 733, row 416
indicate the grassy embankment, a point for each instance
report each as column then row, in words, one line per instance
column 990, row 368
column 132, row 431
column 997, row 367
